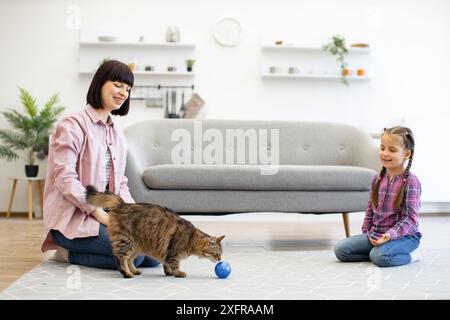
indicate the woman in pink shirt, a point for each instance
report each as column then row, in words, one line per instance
column 88, row 149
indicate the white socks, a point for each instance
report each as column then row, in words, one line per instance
column 415, row 255
column 61, row 255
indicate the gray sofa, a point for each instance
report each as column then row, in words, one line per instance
column 323, row 167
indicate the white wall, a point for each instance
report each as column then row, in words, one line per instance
column 410, row 64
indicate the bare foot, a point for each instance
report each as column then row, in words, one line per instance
column 60, row 255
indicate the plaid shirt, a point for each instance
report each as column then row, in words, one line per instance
column 385, row 219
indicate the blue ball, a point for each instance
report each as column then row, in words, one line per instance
column 222, row 269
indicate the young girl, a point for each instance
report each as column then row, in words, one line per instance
column 390, row 229
column 87, row 149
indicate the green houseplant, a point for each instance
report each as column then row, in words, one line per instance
column 30, row 132
column 338, row 48
column 189, row 64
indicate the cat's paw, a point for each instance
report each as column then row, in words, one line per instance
column 180, row 274
column 168, row 270
column 137, row 272
column 128, row 275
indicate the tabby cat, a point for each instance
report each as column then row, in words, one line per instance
column 158, row 232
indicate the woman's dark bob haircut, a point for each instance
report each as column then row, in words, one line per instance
column 111, row 70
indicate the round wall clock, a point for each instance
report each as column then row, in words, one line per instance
column 228, row 32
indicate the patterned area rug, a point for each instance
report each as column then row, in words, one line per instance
column 257, row 273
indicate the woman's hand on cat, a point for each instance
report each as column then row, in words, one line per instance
column 101, row 216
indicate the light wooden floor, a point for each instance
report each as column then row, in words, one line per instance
column 20, row 242
column 20, row 239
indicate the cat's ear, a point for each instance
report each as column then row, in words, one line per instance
column 219, row 239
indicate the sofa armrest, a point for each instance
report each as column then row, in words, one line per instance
column 134, row 171
column 368, row 156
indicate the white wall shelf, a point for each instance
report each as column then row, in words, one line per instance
column 151, row 73
column 269, row 47
column 311, row 62
column 152, row 52
column 160, row 45
column 312, row 76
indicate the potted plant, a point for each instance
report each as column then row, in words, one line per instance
column 337, row 47
column 189, row 64
column 32, row 130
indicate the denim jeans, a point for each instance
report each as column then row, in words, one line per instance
column 390, row 254
column 95, row 252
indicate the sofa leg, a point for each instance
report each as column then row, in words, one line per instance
column 346, row 224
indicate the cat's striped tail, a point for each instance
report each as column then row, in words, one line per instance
column 107, row 200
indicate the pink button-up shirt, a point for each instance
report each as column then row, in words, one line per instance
column 76, row 159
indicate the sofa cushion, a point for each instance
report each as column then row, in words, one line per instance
column 249, row 177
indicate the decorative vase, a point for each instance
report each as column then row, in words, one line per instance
column 173, row 34
column 31, row 171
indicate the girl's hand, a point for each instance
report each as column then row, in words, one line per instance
column 101, row 216
column 385, row 238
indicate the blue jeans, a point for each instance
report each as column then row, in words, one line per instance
column 95, row 252
column 390, row 254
